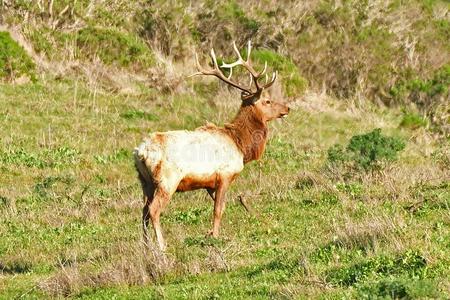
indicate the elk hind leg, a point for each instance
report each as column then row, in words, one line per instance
column 160, row 200
column 149, row 191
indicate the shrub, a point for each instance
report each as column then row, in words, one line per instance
column 14, row 61
column 368, row 151
column 417, row 88
column 113, row 47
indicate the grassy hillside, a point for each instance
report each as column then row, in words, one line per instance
column 337, row 208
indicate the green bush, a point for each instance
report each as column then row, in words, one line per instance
column 417, row 89
column 232, row 11
column 14, row 61
column 113, row 47
column 368, row 151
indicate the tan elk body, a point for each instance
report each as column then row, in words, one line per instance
column 209, row 157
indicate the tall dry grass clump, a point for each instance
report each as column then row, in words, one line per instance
column 128, row 266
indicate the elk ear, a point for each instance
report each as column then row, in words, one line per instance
column 275, row 92
column 266, row 94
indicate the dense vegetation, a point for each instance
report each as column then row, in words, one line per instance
column 351, row 198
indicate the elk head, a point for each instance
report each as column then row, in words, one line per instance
column 268, row 109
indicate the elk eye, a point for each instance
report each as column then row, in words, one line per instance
column 268, row 102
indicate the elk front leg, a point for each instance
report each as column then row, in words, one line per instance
column 219, row 206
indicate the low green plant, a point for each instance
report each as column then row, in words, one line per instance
column 413, row 120
column 135, row 114
column 411, row 264
column 369, row 151
column 354, row 190
column 192, row 216
column 402, row 288
column 48, row 158
column 119, row 155
column 4, row 201
column 52, row 187
column 203, row 241
column 14, row 61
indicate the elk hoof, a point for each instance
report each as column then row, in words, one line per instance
column 211, row 233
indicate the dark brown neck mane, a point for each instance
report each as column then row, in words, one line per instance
column 249, row 131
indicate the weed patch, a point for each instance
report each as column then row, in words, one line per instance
column 402, row 288
column 410, row 263
column 53, row 187
column 48, row 158
column 192, row 216
column 412, row 120
column 139, row 115
column 204, row 241
column 117, row 156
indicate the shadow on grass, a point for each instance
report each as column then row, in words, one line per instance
column 15, row 268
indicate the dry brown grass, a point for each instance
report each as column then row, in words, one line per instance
column 370, row 233
column 127, row 265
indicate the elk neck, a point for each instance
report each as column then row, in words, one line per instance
column 249, row 131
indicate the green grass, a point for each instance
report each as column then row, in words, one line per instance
column 14, row 61
column 71, row 203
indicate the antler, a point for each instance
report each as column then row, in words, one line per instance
column 247, row 93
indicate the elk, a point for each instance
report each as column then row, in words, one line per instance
column 210, row 157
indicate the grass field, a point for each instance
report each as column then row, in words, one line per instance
column 71, row 204
column 336, row 208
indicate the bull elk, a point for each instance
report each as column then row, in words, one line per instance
column 209, row 157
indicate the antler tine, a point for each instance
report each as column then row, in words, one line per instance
column 238, row 62
column 264, row 70
column 274, row 77
column 213, row 56
column 237, row 52
column 247, row 92
column 231, row 73
column 199, row 67
column 249, row 51
column 218, row 73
